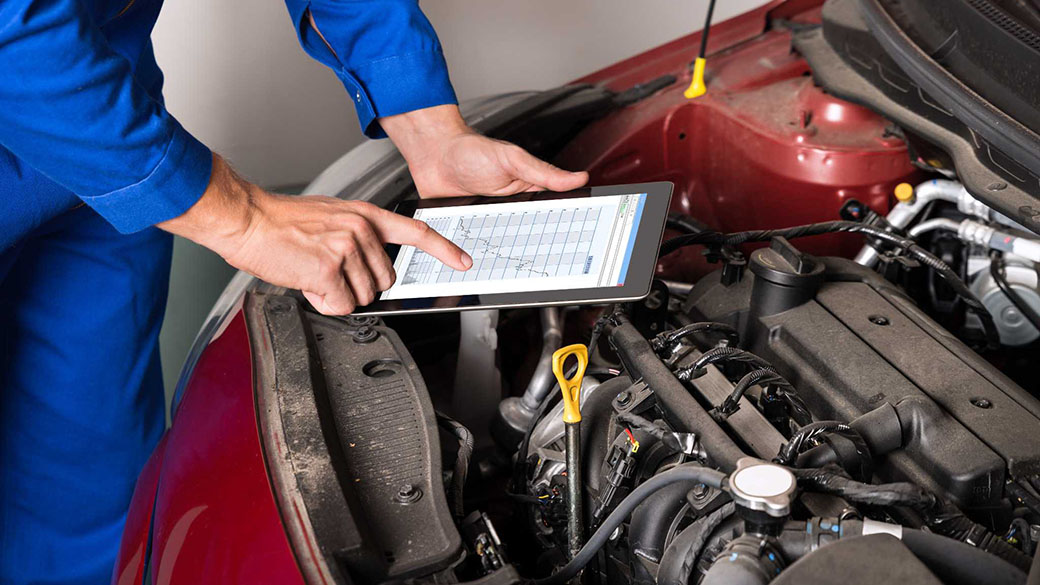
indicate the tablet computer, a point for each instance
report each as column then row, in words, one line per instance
column 589, row 246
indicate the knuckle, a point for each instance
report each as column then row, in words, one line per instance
column 422, row 229
column 366, row 297
column 329, row 268
column 360, row 209
column 354, row 222
column 345, row 247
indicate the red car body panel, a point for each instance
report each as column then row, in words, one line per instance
column 764, row 148
column 215, row 518
column 134, row 546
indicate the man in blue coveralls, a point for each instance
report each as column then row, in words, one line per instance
column 95, row 175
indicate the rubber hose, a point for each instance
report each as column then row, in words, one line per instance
column 956, row 562
column 465, row 453
column 651, row 521
column 688, row 472
column 680, row 558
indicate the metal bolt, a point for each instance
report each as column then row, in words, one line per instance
column 1034, row 532
column 879, row 320
column 624, row 398
column 365, row 334
column 699, row 491
column 361, row 320
column 982, row 403
column 408, row 494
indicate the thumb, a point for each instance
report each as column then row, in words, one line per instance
column 542, row 175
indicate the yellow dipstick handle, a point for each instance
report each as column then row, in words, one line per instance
column 697, row 86
column 571, row 388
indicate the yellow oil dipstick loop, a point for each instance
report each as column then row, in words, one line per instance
column 571, row 390
column 571, row 387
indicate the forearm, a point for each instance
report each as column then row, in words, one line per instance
column 223, row 216
column 415, row 132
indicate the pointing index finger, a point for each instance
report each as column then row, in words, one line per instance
column 398, row 229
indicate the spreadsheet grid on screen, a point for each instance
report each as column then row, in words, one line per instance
column 500, row 249
column 518, row 246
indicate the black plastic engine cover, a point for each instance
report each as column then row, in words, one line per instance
column 853, row 341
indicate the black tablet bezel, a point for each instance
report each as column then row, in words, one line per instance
column 637, row 281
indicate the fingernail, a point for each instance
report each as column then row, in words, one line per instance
column 466, row 261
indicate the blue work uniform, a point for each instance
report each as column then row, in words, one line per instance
column 90, row 160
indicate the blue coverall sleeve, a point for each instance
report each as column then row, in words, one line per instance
column 385, row 52
column 70, row 107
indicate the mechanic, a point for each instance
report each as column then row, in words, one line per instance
column 96, row 175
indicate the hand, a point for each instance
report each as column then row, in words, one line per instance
column 446, row 158
column 330, row 249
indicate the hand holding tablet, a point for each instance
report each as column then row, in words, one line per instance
column 594, row 245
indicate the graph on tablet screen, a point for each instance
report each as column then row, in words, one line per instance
column 525, row 246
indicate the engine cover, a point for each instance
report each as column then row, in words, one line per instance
column 850, row 341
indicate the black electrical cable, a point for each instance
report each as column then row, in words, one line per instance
column 907, row 245
column 665, row 339
column 605, row 318
column 685, row 224
column 687, row 472
column 952, row 523
column 681, row 442
column 996, row 270
column 458, row 480
column 720, row 354
column 752, row 378
column 830, row 481
column 805, row 435
column 799, row 410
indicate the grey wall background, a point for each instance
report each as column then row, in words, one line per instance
column 238, row 80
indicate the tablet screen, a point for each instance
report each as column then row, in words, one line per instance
column 524, row 246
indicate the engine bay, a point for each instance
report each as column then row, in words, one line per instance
column 733, row 430
column 833, row 374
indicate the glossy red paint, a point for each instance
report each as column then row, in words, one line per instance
column 130, row 561
column 215, row 516
column 764, row 148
